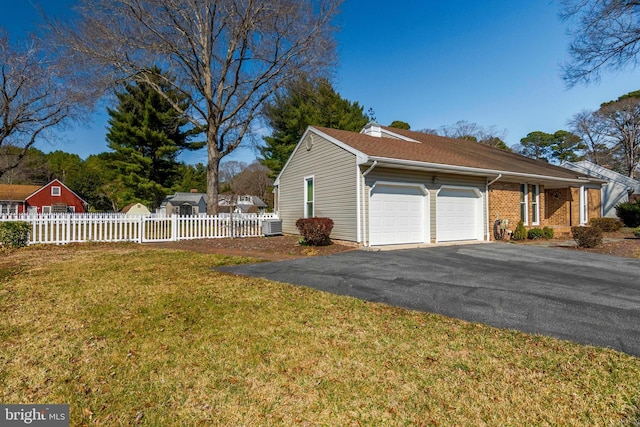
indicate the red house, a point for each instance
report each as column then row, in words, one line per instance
column 55, row 197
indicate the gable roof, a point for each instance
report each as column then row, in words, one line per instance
column 181, row 198
column 422, row 150
column 56, row 182
column 590, row 168
column 17, row 193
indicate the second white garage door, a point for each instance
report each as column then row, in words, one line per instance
column 458, row 214
column 398, row 214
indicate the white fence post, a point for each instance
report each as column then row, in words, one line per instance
column 174, row 228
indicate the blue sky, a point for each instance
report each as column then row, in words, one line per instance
column 429, row 63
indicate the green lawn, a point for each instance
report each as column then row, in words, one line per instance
column 131, row 335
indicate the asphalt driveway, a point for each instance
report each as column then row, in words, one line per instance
column 589, row 298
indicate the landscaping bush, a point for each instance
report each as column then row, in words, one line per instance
column 587, row 237
column 606, row 224
column 520, row 233
column 636, row 232
column 315, row 231
column 535, row 233
column 629, row 213
column 14, row 234
column 540, row 233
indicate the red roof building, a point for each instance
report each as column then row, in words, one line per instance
column 55, row 197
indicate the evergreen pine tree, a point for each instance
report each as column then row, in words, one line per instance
column 302, row 104
column 146, row 135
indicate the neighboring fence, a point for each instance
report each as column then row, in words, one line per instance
column 72, row 228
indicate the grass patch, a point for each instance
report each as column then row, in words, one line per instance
column 133, row 335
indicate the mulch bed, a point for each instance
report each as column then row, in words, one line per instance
column 273, row 248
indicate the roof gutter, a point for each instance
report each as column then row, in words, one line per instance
column 476, row 171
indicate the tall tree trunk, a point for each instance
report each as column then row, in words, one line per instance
column 213, row 174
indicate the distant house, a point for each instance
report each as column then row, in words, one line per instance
column 192, row 203
column 241, row 203
column 135, row 209
column 13, row 197
column 55, row 197
column 618, row 189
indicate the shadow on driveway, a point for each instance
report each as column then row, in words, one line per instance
column 588, row 298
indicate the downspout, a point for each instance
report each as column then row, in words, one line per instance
column 487, row 193
column 364, row 213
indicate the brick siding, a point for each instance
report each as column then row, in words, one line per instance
column 559, row 207
column 558, row 201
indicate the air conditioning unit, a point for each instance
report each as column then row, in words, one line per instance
column 271, row 227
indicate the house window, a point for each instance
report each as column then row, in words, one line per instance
column 9, row 208
column 584, row 205
column 46, row 209
column 55, row 191
column 535, row 204
column 524, row 206
column 308, row 197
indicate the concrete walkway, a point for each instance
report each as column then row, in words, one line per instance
column 584, row 297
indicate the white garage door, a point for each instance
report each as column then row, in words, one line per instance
column 458, row 215
column 398, row 214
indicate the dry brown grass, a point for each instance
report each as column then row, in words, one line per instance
column 133, row 335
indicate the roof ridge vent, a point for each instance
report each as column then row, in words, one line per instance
column 372, row 129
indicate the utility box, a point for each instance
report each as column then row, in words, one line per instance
column 271, row 227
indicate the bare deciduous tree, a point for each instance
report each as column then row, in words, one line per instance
column 227, row 56
column 34, row 98
column 229, row 170
column 470, row 131
column 590, row 127
column 612, row 133
column 622, row 127
column 254, row 180
column 606, row 35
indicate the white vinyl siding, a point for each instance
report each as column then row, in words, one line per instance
column 335, row 187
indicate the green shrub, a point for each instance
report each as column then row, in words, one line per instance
column 520, row 233
column 636, row 232
column 535, row 234
column 547, row 233
column 606, row 224
column 315, row 231
column 14, row 234
column 587, row 237
column 629, row 213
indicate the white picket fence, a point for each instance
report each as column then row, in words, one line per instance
column 76, row 228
